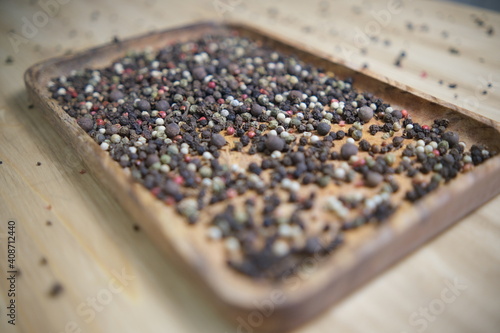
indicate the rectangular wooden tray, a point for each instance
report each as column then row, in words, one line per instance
column 366, row 253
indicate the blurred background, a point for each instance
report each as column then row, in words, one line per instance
column 487, row 4
column 74, row 239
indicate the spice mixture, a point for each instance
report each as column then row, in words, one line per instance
column 287, row 157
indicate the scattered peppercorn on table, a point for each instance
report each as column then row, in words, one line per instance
column 86, row 263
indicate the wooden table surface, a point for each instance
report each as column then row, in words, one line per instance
column 84, row 268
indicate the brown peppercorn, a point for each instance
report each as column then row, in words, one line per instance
column 116, row 95
column 365, row 113
column 86, row 124
column 218, row 140
column 256, row 110
column 274, row 142
column 152, row 159
column 451, row 137
column 199, row 73
column 143, row 105
column 172, row 130
column 162, row 105
column 348, row 150
column 373, row 179
column 323, row 129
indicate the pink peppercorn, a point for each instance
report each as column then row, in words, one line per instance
column 170, row 201
column 342, row 123
column 359, row 183
column 251, row 134
column 425, row 127
column 179, row 180
column 231, row 193
column 404, row 113
column 230, row 130
column 359, row 162
column 436, row 152
column 162, row 114
column 156, row 191
column 212, row 85
column 467, row 167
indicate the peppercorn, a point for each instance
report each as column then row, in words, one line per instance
column 365, row 113
column 348, row 150
column 397, row 141
column 143, row 105
column 86, row 124
column 254, row 168
column 364, row 145
column 357, row 135
column 218, row 140
column 323, row 128
column 172, row 130
column 372, row 179
column 274, row 143
column 256, row 110
column 451, row 138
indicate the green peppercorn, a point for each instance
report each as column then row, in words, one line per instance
column 444, row 145
column 389, row 159
column 273, row 124
column 165, row 159
column 357, row 135
column 324, row 181
column 205, row 172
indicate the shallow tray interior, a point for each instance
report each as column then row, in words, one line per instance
column 367, row 250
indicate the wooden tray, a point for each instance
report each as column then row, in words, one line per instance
column 263, row 305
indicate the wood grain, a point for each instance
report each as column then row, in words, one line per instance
column 86, row 226
column 365, row 254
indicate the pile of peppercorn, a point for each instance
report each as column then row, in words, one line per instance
column 177, row 117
